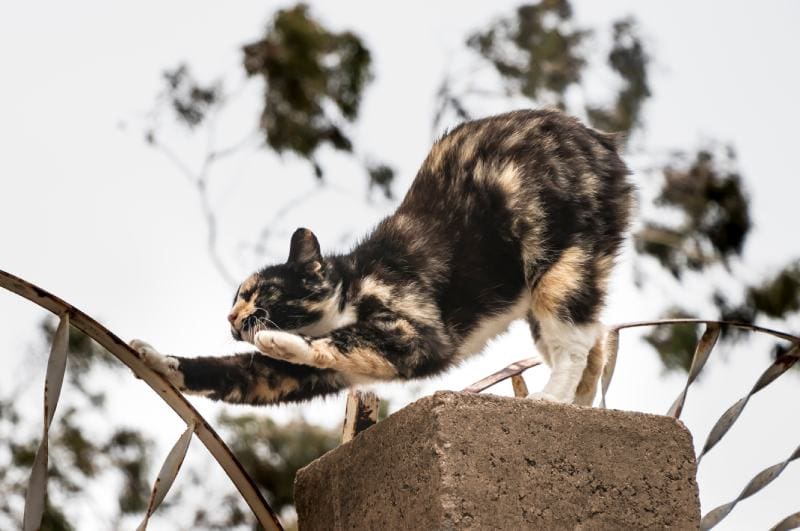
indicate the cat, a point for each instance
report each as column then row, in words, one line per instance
column 515, row 216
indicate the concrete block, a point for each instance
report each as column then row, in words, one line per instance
column 463, row 461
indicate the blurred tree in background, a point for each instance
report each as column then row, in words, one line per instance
column 694, row 220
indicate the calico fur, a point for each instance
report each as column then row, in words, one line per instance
column 516, row 216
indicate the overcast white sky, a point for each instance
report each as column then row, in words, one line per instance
column 89, row 212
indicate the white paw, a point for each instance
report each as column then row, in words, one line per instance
column 167, row 366
column 547, row 397
column 283, row 346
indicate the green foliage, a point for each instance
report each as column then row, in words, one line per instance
column 272, row 453
column 314, row 82
column 674, row 343
column 630, row 61
column 231, row 513
column 541, row 54
column 129, row 452
column 779, row 295
column 708, row 193
column 381, row 177
column 535, row 50
column 307, row 70
column 189, row 100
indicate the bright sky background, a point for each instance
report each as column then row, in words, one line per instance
column 91, row 213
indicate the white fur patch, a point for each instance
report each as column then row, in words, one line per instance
column 332, row 318
column 493, row 326
column 567, row 348
column 284, row 346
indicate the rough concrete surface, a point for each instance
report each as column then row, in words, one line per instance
column 463, row 461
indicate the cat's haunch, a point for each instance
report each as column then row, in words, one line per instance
column 515, row 216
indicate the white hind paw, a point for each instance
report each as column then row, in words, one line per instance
column 547, row 397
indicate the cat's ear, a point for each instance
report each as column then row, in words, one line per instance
column 304, row 248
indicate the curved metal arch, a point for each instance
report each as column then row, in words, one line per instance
column 219, row 450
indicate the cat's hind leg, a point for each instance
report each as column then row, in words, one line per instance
column 565, row 306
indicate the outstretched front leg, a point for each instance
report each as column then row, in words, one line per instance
column 382, row 350
column 242, row 378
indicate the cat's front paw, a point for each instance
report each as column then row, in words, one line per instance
column 166, row 366
column 284, row 346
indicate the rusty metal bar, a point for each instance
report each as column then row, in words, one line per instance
column 37, row 484
column 701, row 353
column 790, row 522
column 726, row 421
column 167, row 474
column 503, row 374
column 735, row 324
column 174, row 399
column 761, row 480
column 360, row 413
column 610, row 349
column 519, row 386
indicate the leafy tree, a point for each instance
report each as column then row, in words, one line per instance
column 307, row 70
column 314, row 81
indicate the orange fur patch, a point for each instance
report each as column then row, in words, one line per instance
column 263, row 393
column 587, row 388
column 563, row 278
column 242, row 308
column 363, row 361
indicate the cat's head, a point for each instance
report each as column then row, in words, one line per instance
column 301, row 295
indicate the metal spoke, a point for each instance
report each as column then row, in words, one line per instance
column 761, row 480
column 701, row 353
column 166, row 476
column 37, row 484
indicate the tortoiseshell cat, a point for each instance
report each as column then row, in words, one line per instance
column 514, row 216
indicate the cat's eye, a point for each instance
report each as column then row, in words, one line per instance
column 271, row 291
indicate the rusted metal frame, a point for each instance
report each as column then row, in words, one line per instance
column 37, row 484
column 790, row 522
column 761, row 480
column 699, row 358
column 610, row 349
column 514, row 369
column 174, row 399
column 167, row 474
column 701, row 354
column 735, row 324
column 361, row 412
column 519, row 386
column 779, row 366
column 702, row 351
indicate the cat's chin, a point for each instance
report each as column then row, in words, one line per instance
column 247, row 336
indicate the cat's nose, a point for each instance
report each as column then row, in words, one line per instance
column 232, row 317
